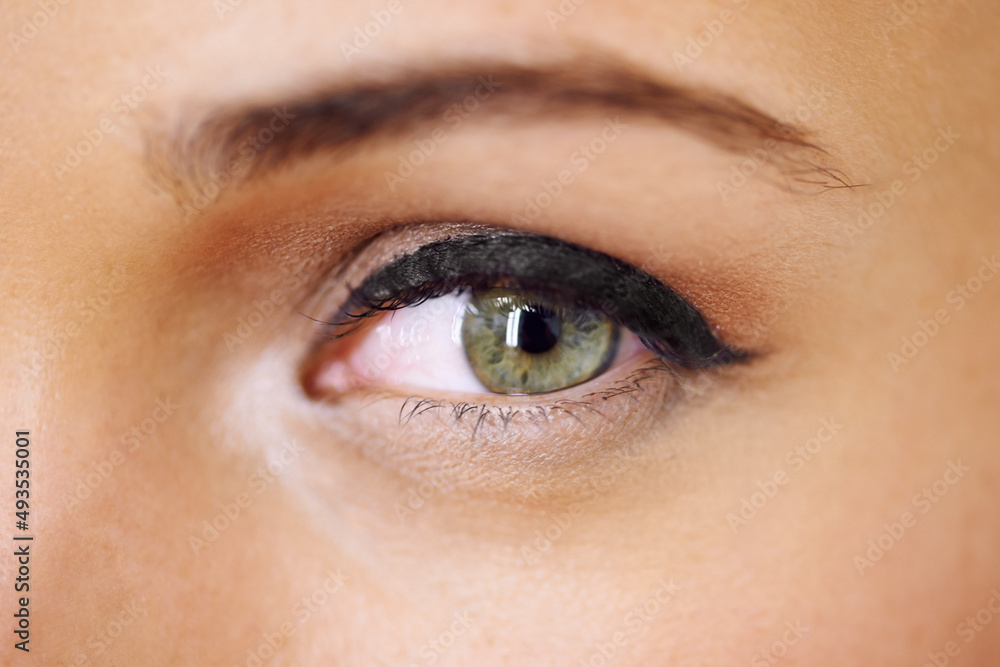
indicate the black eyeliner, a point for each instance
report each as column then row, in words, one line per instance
column 666, row 323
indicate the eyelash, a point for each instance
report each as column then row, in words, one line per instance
column 629, row 386
column 666, row 323
column 359, row 308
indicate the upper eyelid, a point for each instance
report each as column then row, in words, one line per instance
column 663, row 319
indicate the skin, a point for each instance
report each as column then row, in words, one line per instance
column 792, row 277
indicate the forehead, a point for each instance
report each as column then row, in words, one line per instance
column 768, row 50
column 851, row 70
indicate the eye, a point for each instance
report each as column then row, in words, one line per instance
column 501, row 341
column 525, row 343
column 506, row 313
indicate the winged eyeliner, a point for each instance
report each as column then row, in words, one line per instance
column 666, row 324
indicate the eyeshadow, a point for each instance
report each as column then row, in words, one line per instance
column 663, row 320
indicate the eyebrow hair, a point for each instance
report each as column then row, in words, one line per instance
column 342, row 116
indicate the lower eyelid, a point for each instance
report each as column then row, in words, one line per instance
column 564, row 438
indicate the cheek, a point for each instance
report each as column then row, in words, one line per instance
column 416, row 346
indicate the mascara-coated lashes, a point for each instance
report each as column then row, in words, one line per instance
column 579, row 277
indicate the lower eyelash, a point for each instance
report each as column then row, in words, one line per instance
column 631, row 386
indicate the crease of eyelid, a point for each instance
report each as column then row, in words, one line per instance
column 388, row 103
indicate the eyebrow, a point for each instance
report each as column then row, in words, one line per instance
column 246, row 141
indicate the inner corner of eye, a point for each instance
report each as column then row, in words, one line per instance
column 410, row 347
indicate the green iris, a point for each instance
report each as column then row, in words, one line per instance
column 525, row 343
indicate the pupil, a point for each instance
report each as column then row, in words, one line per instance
column 537, row 330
